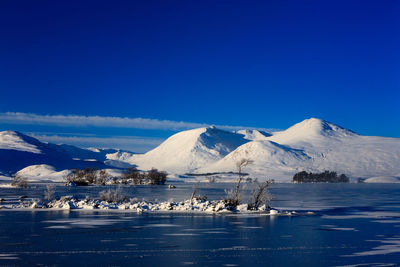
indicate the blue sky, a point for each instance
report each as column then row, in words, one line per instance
column 264, row 64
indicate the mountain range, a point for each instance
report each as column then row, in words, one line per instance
column 311, row 145
column 18, row 151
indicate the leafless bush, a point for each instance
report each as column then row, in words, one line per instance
column 87, row 176
column 50, row 191
column 132, row 175
column 259, row 195
column 156, row 177
column 197, row 197
column 77, row 177
column 102, row 177
column 113, row 196
column 19, row 181
column 233, row 197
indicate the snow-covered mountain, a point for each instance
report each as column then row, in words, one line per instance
column 311, row 145
column 18, row 151
column 316, row 145
column 190, row 150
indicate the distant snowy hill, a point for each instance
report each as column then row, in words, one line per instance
column 311, row 145
column 42, row 173
column 190, row 150
column 254, row 134
column 18, row 151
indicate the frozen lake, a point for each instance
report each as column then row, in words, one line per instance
column 353, row 224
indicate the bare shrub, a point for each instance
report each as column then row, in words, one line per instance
column 156, row 177
column 90, row 174
column 233, row 197
column 259, row 195
column 131, row 174
column 102, row 177
column 198, row 196
column 87, row 176
column 77, row 177
column 19, row 181
column 50, row 192
column 113, row 196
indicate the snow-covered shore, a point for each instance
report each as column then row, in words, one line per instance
column 193, row 206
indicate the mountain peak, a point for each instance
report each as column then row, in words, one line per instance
column 323, row 127
column 310, row 129
column 254, row 134
column 188, row 150
column 13, row 140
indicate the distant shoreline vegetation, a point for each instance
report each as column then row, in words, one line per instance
column 323, row 177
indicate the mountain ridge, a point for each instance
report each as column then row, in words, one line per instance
column 311, row 145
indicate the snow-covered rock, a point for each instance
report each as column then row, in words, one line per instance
column 194, row 205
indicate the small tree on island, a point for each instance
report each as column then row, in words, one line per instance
column 260, row 196
column 233, row 197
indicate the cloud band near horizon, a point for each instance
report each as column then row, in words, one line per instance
column 106, row 121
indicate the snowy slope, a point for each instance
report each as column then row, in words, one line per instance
column 254, row 134
column 266, row 155
column 42, row 172
column 316, row 145
column 18, row 151
column 189, row 150
column 10, row 140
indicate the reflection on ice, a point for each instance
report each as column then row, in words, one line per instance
column 8, row 257
column 365, row 215
column 390, row 245
column 161, row 225
column 86, row 223
column 181, row 234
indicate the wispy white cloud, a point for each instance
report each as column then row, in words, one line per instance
column 105, row 121
column 97, row 121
